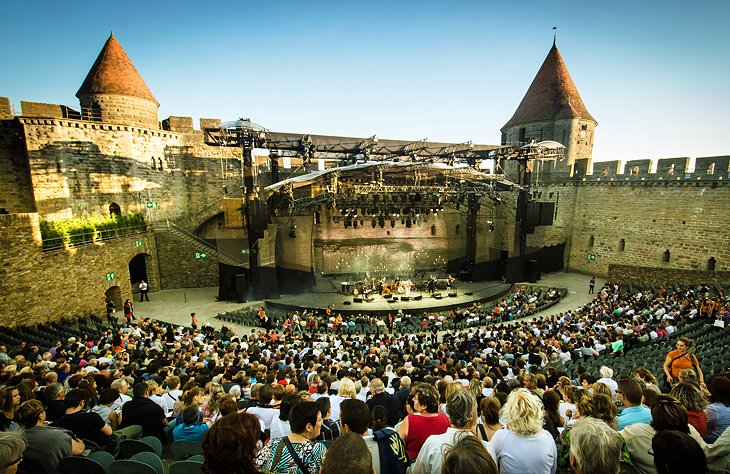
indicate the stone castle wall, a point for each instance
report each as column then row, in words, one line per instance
column 120, row 109
column 17, row 194
column 41, row 286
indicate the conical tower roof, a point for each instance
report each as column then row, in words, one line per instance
column 114, row 73
column 552, row 95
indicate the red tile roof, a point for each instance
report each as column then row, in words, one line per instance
column 114, row 73
column 552, row 95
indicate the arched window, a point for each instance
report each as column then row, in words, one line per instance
column 114, row 209
column 621, row 245
column 711, row 264
column 666, row 256
column 591, row 241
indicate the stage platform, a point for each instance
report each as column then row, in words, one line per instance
column 465, row 294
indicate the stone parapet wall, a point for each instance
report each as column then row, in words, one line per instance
column 16, row 195
column 636, row 225
column 665, row 276
column 41, row 286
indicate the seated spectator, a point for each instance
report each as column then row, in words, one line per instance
column 280, row 426
column 330, row 429
column 489, row 422
column 718, row 413
column 298, row 448
column 630, row 395
column 667, row 414
column 191, row 429
column 468, row 455
column 381, row 397
column 425, row 419
column 350, row 454
column 599, row 406
column 524, row 446
column 553, row 420
column 46, row 446
column 12, row 445
column 122, row 386
column 677, row 453
column 461, row 409
column 144, row 412
column 263, row 408
column 9, row 402
column 691, row 397
column 594, row 447
column 85, row 424
column 172, row 395
column 229, row 446
column 386, row 447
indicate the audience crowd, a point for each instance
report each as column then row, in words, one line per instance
column 494, row 398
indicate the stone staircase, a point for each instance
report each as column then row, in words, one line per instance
column 200, row 244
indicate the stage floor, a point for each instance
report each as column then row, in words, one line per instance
column 467, row 293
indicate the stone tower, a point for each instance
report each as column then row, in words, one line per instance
column 114, row 92
column 553, row 110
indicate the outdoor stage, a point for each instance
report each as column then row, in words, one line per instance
column 465, row 294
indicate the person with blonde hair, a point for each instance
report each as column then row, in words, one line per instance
column 524, row 446
column 346, row 390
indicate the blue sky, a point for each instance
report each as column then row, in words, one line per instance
column 654, row 74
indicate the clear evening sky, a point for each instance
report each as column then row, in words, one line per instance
column 655, row 74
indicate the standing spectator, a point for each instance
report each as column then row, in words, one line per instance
column 680, row 359
column 129, row 311
column 193, row 321
column 591, row 285
column 524, row 446
column 143, row 290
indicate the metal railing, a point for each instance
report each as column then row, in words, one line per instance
column 88, row 238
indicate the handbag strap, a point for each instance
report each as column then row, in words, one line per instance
column 294, row 455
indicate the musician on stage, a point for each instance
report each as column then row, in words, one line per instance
column 431, row 284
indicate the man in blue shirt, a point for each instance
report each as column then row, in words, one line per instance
column 630, row 395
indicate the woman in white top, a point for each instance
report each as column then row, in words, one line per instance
column 524, row 446
column 345, row 391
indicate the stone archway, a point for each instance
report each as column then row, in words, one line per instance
column 138, row 270
column 114, row 294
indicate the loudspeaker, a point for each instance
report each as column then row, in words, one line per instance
column 436, row 295
column 405, row 298
column 452, row 294
column 469, row 293
column 388, row 296
column 348, row 302
column 357, row 299
column 418, row 298
column 395, row 298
